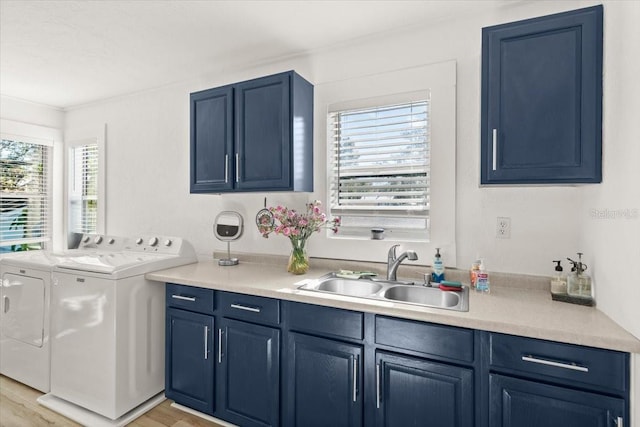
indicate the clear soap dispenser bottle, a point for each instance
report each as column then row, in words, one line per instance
column 558, row 281
column 579, row 283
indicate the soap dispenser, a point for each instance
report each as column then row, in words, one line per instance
column 578, row 283
column 558, row 281
column 437, row 275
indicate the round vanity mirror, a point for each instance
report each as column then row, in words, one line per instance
column 228, row 226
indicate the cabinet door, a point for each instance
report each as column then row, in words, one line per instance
column 542, row 99
column 263, row 134
column 521, row 403
column 323, row 382
column 420, row 393
column 212, row 166
column 189, row 359
column 248, row 387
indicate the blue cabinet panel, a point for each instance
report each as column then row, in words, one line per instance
column 522, row 403
column 542, row 100
column 189, row 362
column 212, row 140
column 416, row 392
column 262, row 118
column 323, row 382
column 585, row 367
column 248, row 387
column 325, row 321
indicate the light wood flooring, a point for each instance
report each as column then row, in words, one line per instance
column 18, row 408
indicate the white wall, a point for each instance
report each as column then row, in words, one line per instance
column 610, row 214
column 148, row 144
column 30, row 112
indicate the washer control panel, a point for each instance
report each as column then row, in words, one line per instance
column 153, row 244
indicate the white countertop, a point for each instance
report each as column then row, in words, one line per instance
column 510, row 310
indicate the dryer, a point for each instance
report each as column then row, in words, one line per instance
column 24, row 317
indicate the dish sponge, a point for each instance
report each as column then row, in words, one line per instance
column 348, row 274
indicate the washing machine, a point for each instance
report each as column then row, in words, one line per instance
column 25, row 346
column 107, row 331
column 24, row 317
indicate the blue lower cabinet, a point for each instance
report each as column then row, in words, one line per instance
column 521, row 403
column 248, row 384
column 189, row 365
column 324, row 384
column 416, row 392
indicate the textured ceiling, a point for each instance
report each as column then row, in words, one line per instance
column 65, row 53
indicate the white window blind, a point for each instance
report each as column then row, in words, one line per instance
column 25, row 196
column 379, row 175
column 83, row 188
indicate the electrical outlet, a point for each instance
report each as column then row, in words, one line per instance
column 503, row 227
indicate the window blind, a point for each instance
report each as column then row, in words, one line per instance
column 83, row 191
column 380, row 164
column 25, row 195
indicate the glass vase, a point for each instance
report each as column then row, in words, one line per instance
column 298, row 260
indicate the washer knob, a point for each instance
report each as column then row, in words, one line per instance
column 153, row 241
column 86, row 239
column 111, row 240
column 139, row 241
column 97, row 240
column 168, row 242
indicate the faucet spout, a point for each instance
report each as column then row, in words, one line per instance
column 393, row 261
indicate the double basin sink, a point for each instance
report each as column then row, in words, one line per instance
column 403, row 292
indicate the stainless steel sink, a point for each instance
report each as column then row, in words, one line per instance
column 393, row 291
column 351, row 287
column 422, row 295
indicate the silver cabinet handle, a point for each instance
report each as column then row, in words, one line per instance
column 246, row 308
column 237, row 168
column 355, row 379
column 6, row 304
column 619, row 422
column 378, row 386
column 556, row 364
column 226, row 168
column 494, row 147
column 206, row 342
column 180, row 297
column 219, row 345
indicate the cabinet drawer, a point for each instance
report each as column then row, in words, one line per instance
column 443, row 341
column 326, row 321
column 249, row 307
column 191, row 298
column 567, row 362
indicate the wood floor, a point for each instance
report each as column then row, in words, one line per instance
column 18, row 408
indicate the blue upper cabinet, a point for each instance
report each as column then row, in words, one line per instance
column 542, row 100
column 212, row 140
column 255, row 135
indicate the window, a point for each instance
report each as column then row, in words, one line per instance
column 380, row 173
column 83, row 188
column 25, row 176
column 85, row 183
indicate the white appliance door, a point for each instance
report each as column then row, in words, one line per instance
column 83, row 341
column 23, row 301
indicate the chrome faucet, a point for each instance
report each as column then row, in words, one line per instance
column 393, row 262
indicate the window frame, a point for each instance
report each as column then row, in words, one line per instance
column 393, row 216
column 74, row 139
column 440, row 78
column 51, row 137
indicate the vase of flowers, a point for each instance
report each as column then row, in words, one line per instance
column 298, row 227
